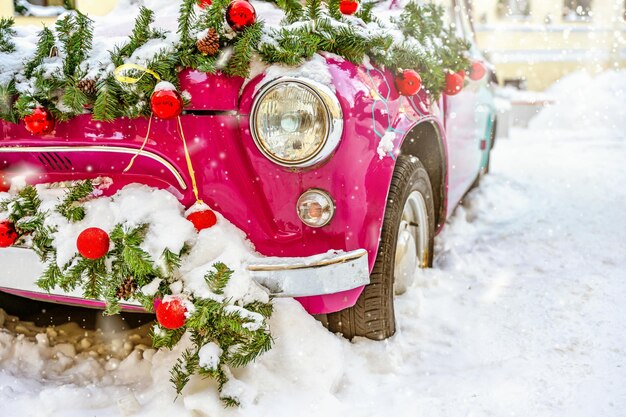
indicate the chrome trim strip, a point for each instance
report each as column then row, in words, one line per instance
column 345, row 257
column 96, row 148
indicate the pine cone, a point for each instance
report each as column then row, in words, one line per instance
column 210, row 44
column 87, row 86
column 127, row 289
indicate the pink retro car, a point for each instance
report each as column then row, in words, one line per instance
column 303, row 167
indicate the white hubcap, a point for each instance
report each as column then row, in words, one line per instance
column 412, row 244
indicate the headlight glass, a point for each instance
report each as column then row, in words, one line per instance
column 291, row 123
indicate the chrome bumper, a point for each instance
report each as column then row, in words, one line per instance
column 314, row 275
column 283, row 277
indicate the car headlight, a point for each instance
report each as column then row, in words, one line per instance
column 296, row 122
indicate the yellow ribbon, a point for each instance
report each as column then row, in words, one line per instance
column 192, row 173
column 130, row 80
column 143, row 145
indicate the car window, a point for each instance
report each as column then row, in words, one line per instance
column 464, row 18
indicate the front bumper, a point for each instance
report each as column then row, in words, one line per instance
column 328, row 273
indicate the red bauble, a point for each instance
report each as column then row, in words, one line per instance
column 478, row 71
column 202, row 219
column 39, row 122
column 240, row 14
column 166, row 104
column 204, row 3
column 348, row 6
column 454, row 83
column 171, row 314
column 93, row 243
column 8, row 235
column 408, row 82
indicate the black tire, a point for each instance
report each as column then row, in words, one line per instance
column 373, row 314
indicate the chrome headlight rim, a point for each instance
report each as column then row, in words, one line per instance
column 334, row 121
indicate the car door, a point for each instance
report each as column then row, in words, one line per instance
column 485, row 112
column 463, row 121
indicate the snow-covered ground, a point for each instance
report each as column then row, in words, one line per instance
column 524, row 313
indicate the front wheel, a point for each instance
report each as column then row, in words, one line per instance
column 406, row 244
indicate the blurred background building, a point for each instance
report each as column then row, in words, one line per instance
column 531, row 42
column 536, row 42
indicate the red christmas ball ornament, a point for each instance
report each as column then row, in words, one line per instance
column 171, row 314
column 348, row 7
column 408, row 82
column 478, row 71
column 204, row 3
column 8, row 235
column 166, row 103
column 39, row 122
column 202, row 219
column 454, row 83
column 93, row 243
column 240, row 14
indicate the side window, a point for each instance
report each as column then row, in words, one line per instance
column 465, row 15
column 576, row 10
column 514, row 9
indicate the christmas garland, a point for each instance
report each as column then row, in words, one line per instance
column 225, row 332
column 225, row 36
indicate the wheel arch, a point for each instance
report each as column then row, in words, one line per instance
column 425, row 141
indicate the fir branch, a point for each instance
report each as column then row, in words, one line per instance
column 166, row 338
column 293, row 9
column 186, row 16
column 108, row 105
column 95, row 275
column 365, row 11
column 7, row 96
column 314, row 9
column 171, row 261
column 239, row 63
column 264, row 309
column 293, row 46
column 44, row 46
column 50, row 276
column 69, row 207
column 6, row 35
column 25, row 204
column 42, row 242
column 217, row 279
column 333, row 9
column 140, row 35
column 187, row 365
column 74, row 98
column 256, row 345
column 141, row 31
column 213, row 17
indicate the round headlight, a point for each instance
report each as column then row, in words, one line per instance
column 296, row 122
